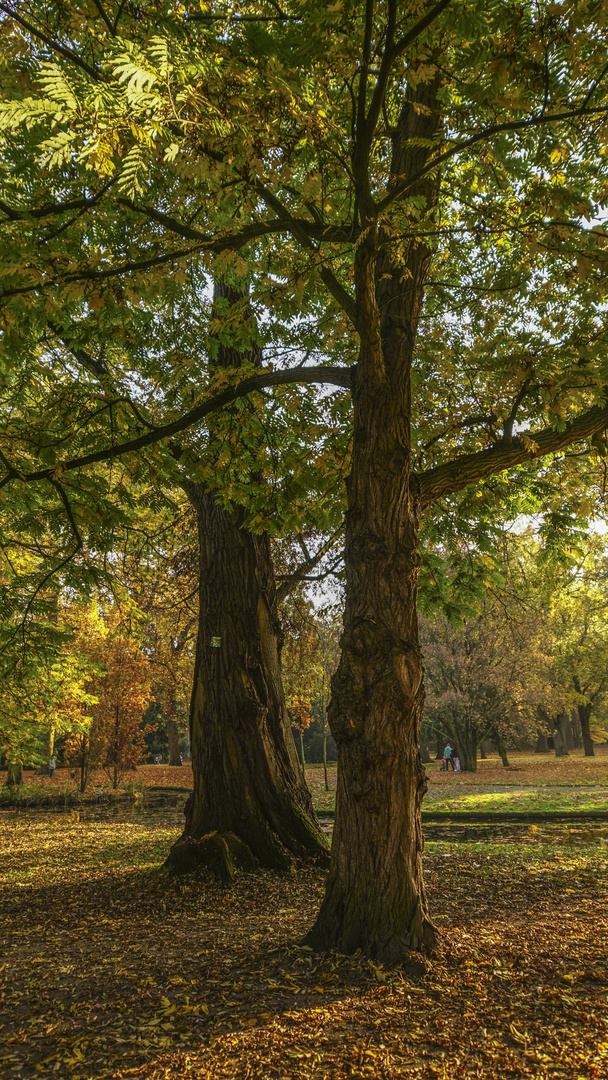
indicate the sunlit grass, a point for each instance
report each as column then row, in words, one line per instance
column 518, row 801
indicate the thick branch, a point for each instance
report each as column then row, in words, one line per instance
column 314, row 230
column 103, row 275
column 54, row 209
column 494, row 129
column 457, row 474
column 335, row 376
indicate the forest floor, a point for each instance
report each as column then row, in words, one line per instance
column 113, row 968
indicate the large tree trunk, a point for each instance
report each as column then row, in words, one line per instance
column 575, row 727
column 248, row 785
column 584, row 716
column 375, row 899
column 468, row 742
column 250, row 802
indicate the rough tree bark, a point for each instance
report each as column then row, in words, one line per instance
column 575, row 727
column 375, row 898
column 542, row 745
column 467, row 744
column 501, row 747
column 248, row 784
column 250, row 803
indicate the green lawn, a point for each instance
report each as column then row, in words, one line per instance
column 550, row 785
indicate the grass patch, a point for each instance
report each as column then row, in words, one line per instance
column 519, row 801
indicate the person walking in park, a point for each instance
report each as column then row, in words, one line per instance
column 447, row 753
column 52, row 764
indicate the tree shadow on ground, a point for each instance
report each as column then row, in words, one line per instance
column 133, row 972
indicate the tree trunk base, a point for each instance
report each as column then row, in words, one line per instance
column 221, row 853
column 247, row 847
column 420, row 937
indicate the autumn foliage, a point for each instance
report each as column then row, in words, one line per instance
column 116, row 737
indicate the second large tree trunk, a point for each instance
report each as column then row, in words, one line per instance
column 250, row 803
column 560, row 736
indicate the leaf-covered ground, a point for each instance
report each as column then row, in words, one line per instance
column 111, row 968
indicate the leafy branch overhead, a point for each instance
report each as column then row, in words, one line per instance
column 185, row 119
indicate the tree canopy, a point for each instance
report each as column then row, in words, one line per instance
column 416, row 200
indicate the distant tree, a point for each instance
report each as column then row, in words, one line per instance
column 50, row 693
column 310, row 656
column 484, row 679
column 117, row 737
column 162, row 588
column 301, row 718
column 579, row 614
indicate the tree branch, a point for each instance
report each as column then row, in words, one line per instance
column 89, row 362
column 54, row 208
column 56, row 46
column 339, row 293
column 480, row 136
column 301, row 574
column 104, row 275
column 457, row 474
column 101, row 11
column 507, row 433
column 418, row 28
column 314, row 230
column 335, row 376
